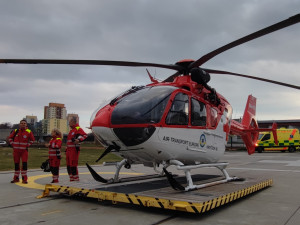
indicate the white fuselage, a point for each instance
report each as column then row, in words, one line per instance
column 188, row 145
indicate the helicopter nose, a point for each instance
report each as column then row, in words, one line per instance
column 102, row 117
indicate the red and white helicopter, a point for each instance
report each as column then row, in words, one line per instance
column 180, row 121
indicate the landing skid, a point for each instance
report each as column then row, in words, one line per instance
column 98, row 178
column 187, row 168
column 174, row 184
column 116, row 178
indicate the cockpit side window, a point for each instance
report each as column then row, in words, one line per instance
column 198, row 113
column 179, row 112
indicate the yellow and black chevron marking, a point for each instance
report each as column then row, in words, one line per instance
column 192, row 207
column 280, row 143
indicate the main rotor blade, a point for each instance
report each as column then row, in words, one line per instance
column 285, row 23
column 251, row 77
column 90, row 62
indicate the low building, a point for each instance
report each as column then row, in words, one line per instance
column 280, row 123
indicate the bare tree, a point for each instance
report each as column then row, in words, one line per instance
column 6, row 125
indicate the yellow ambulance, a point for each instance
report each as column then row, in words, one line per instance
column 288, row 139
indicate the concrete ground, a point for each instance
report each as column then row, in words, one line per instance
column 278, row 204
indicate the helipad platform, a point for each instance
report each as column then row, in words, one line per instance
column 156, row 192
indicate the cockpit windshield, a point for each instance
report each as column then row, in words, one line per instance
column 145, row 105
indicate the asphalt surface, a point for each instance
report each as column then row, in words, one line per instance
column 278, row 204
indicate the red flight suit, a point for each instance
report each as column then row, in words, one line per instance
column 54, row 157
column 20, row 140
column 72, row 151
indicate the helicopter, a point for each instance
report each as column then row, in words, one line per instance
column 180, row 121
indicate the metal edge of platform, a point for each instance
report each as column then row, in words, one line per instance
column 145, row 201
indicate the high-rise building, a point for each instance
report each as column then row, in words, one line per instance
column 55, row 116
column 55, row 110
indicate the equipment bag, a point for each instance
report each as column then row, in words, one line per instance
column 46, row 166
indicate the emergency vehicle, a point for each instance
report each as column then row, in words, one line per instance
column 288, row 139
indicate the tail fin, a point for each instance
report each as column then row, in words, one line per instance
column 249, row 123
column 250, row 111
column 248, row 129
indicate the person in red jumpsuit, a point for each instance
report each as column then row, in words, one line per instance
column 75, row 136
column 20, row 139
column 54, row 153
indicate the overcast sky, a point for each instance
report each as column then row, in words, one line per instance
column 155, row 31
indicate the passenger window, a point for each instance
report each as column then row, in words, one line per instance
column 266, row 137
column 179, row 112
column 213, row 117
column 198, row 113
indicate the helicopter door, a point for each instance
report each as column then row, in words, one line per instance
column 202, row 136
column 179, row 112
column 216, row 135
column 198, row 113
